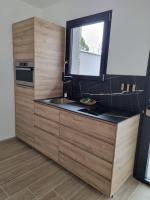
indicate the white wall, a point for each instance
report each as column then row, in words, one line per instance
column 130, row 33
column 10, row 12
column 129, row 45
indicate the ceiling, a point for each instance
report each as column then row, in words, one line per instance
column 41, row 3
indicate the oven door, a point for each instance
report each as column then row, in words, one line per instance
column 24, row 76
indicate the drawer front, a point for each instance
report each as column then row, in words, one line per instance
column 26, row 93
column 25, row 103
column 25, row 115
column 46, row 125
column 24, row 98
column 26, row 134
column 47, row 112
column 46, row 144
column 92, row 162
column 89, row 144
column 98, row 129
column 86, row 174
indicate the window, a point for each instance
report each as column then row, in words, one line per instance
column 87, row 44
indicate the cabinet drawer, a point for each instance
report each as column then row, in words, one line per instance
column 46, row 125
column 25, row 114
column 47, row 112
column 92, row 162
column 98, row 129
column 46, row 144
column 88, row 143
column 24, row 98
column 26, row 134
column 86, row 174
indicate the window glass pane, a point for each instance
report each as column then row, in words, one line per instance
column 87, row 49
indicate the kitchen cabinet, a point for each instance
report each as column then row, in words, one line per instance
column 42, row 43
column 25, row 114
column 47, row 112
column 23, row 40
column 88, row 143
column 46, row 125
column 99, row 152
column 47, row 144
column 98, row 129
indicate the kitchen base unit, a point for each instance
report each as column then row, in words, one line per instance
column 99, row 152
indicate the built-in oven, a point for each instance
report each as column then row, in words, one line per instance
column 24, row 73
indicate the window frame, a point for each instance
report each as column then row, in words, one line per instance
column 105, row 17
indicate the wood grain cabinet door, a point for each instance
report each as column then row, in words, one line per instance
column 88, row 143
column 25, row 114
column 46, row 125
column 46, row 144
column 88, row 160
column 98, row 129
column 88, row 175
column 47, row 112
column 23, row 40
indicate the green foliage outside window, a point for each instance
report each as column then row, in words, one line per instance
column 83, row 45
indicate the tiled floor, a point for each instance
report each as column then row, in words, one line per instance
column 27, row 175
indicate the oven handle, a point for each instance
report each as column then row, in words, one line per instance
column 24, row 69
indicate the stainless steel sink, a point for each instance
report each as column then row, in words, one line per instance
column 58, row 101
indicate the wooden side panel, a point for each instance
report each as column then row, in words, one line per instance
column 124, row 152
column 86, row 174
column 92, row 162
column 98, row 129
column 46, row 144
column 23, row 40
column 92, row 145
column 25, row 114
column 49, row 59
column 47, row 112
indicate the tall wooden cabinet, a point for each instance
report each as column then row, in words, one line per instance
column 42, row 43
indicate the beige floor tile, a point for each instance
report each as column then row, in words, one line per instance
column 21, row 169
column 49, row 183
column 11, row 143
column 9, row 153
column 70, row 187
column 3, row 196
column 22, row 195
column 22, row 182
column 87, row 193
column 51, row 196
column 142, row 193
column 125, row 191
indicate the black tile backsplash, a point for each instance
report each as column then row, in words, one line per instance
column 108, row 93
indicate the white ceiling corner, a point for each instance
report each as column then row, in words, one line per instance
column 41, row 3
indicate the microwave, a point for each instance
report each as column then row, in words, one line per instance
column 24, row 73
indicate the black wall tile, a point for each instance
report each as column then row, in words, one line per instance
column 80, row 88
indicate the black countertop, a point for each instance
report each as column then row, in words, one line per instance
column 110, row 115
